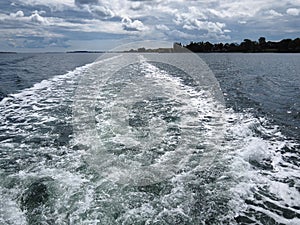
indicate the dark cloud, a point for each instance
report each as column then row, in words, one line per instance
column 102, row 12
column 86, row 2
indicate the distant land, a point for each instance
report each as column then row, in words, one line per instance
column 247, row 46
column 86, row 52
column 8, row 52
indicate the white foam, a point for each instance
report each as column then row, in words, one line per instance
column 10, row 212
column 248, row 149
column 153, row 82
column 30, row 112
column 45, row 84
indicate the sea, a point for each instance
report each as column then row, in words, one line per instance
column 148, row 138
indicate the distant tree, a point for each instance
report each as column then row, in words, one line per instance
column 226, row 47
column 285, row 45
column 141, row 49
column 192, row 46
column 247, row 46
column 218, row 47
column 262, row 41
column 296, row 43
column 261, row 44
column 207, row 47
column 234, row 47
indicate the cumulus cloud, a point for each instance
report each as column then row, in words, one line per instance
column 274, row 13
column 190, row 22
column 19, row 18
column 293, row 11
column 102, row 11
column 196, row 19
column 205, row 25
column 132, row 25
column 136, row 6
column 192, row 14
column 37, row 18
column 17, row 14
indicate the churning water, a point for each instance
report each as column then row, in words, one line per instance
column 149, row 139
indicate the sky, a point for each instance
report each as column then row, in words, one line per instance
column 66, row 25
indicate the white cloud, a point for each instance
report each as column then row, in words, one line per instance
column 189, row 22
column 17, row 14
column 132, row 25
column 195, row 12
column 205, row 25
column 179, row 34
column 162, row 27
column 272, row 12
column 102, row 11
column 37, row 18
column 136, row 6
column 229, row 9
column 221, row 13
column 19, row 18
column 293, row 11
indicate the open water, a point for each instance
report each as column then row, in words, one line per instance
column 149, row 139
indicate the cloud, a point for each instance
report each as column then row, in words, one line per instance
column 37, row 18
column 162, row 27
column 54, row 5
column 132, row 25
column 17, row 14
column 41, row 42
column 136, row 6
column 211, row 27
column 274, row 13
column 293, row 11
column 102, row 11
column 86, row 2
column 196, row 21
column 182, row 35
column 19, row 18
column 175, row 20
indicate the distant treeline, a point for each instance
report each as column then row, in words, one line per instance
column 285, row 45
